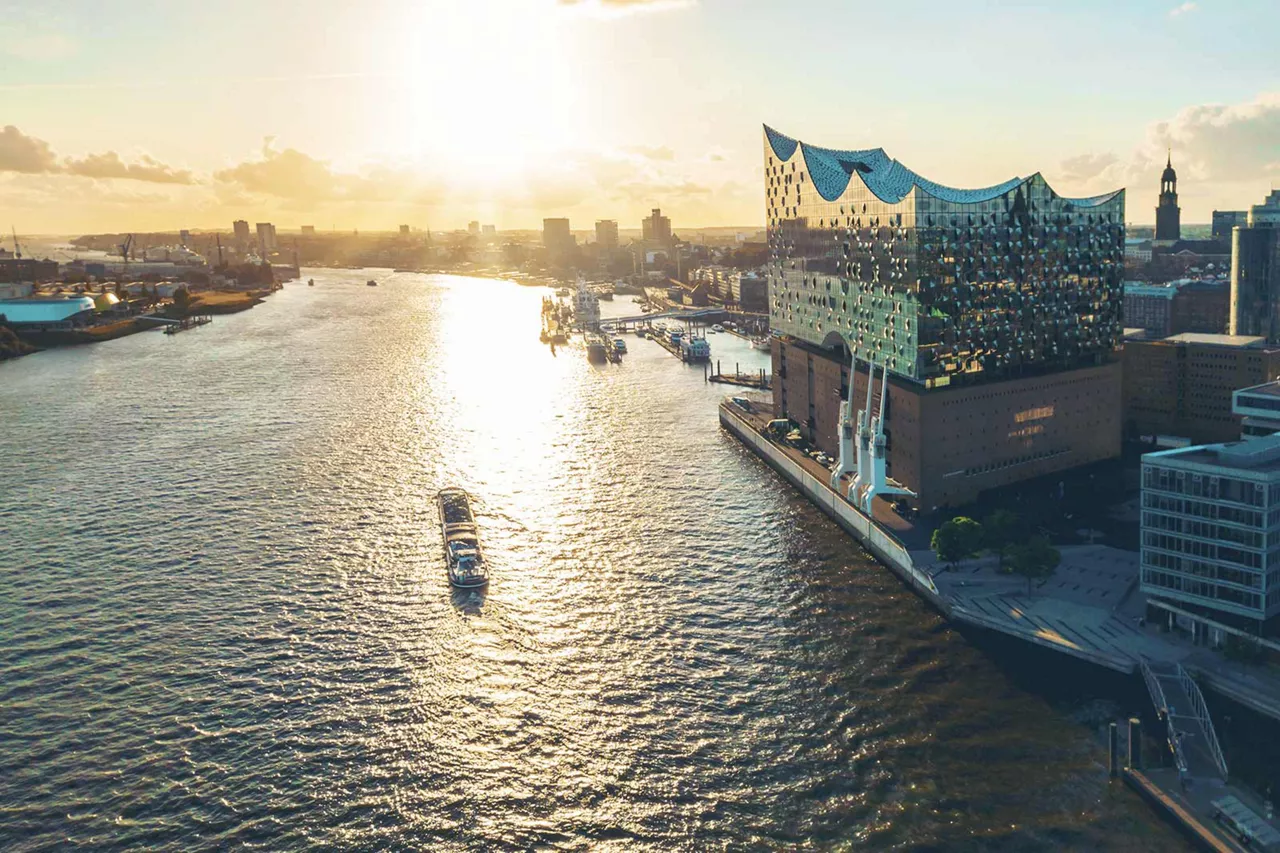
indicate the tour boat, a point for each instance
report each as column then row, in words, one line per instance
column 717, row 328
column 596, row 350
column 760, row 343
column 465, row 560
column 620, row 345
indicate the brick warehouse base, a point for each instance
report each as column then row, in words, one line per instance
column 951, row 444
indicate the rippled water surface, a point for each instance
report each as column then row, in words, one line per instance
column 226, row 622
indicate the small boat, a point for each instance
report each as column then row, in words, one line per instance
column 620, row 345
column 311, row 282
column 371, row 283
column 597, row 352
column 717, row 328
column 760, row 343
column 465, row 560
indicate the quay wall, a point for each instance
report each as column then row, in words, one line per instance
column 892, row 554
column 886, row 549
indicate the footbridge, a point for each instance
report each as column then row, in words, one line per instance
column 706, row 315
column 1179, row 702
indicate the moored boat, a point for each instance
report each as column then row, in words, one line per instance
column 371, row 283
column 464, row 560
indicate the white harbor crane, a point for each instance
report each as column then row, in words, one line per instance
column 867, row 458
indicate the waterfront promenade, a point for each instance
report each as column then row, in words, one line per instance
column 1090, row 608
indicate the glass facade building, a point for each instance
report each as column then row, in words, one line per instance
column 1211, row 528
column 945, row 286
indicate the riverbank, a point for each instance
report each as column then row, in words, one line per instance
column 12, row 346
column 87, row 335
column 225, row 301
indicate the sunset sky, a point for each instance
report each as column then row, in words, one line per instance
column 161, row 115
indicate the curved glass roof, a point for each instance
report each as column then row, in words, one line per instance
column 830, row 170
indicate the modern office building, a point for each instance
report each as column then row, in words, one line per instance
column 1182, row 386
column 607, row 233
column 404, row 230
column 1255, row 272
column 489, row 230
column 656, row 228
column 1225, row 220
column 1168, row 214
column 308, row 231
column 750, row 291
column 473, row 228
column 1258, row 409
column 998, row 312
column 266, row 238
column 1211, row 535
column 557, row 238
column 240, row 229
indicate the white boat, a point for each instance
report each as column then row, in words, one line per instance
column 717, row 328
column 465, row 560
column 761, row 343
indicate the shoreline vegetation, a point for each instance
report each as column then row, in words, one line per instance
column 14, row 344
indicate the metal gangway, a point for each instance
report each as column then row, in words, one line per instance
column 1179, row 702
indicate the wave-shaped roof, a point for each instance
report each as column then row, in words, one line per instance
column 831, row 169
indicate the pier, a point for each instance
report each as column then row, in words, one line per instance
column 758, row 380
column 172, row 327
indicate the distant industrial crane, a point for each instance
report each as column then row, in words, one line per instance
column 17, row 250
column 124, row 255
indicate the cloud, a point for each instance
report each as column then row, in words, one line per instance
column 34, row 33
column 300, row 178
column 27, row 154
column 1184, row 9
column 616, row 8
column 33, row 156
column 1213, row 147
column 660, row 152
column 109, row 165
column 1222, row 142
column 1085, row 167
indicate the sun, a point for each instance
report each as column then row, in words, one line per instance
column 490, row 87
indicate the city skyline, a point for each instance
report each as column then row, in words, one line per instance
column 120, row 119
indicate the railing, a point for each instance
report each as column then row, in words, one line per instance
column 1202, row 715
column 1154, row 688
column 1162, row 710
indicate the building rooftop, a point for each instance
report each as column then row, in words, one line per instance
column 1268, row 389
column 1259, row 455
column 1238, row 341
column 890, row 181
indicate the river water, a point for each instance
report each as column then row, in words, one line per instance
column 226, row 622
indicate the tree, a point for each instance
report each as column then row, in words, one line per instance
column 956, row 540
column 1034, row 559
column 182, row 301
column 998, row 532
